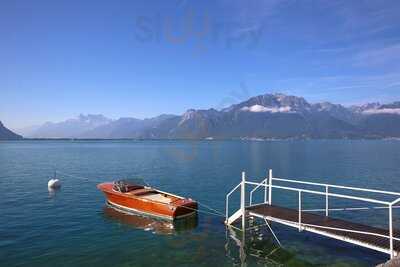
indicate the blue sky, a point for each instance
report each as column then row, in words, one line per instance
column 143, row 58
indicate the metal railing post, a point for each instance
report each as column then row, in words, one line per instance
column 391, row 230
column 243, row 201
column 270, row 187
column 326, row 201
column 265, row 190
column 227, row 209
column 299, row 210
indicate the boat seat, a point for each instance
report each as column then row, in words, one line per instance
column 134, row 187
column 127, row 188
column 142, row 191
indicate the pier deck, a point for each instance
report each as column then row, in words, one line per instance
column 324, row 226
column 383, row 240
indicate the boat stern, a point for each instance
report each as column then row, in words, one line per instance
column 185, row 207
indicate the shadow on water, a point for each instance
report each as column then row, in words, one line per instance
column 146, row 223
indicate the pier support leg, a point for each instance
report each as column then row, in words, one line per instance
column 243, row 201
column 242, row 249
column 391, row 230
column 272, row 231
column 300, row 211
column 270, row 187
column 326, row 201
column 265, row 190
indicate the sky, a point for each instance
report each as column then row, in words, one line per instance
column 140, row 59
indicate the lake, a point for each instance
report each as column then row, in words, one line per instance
column 74, row 227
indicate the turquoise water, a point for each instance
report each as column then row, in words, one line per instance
column 73, row 227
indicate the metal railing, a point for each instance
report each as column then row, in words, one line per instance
column 268, row 185
column 227, row 200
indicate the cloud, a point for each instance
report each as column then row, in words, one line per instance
column 382, row 111
column 348, row 90
column 382, row 56
column 259, row 108
column 250, row 16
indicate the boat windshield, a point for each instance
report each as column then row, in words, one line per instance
column 127, row 185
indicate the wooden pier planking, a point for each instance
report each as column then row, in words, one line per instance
column 291, row 215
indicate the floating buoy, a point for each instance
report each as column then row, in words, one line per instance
column 54, row 184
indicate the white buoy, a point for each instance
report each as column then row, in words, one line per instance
column 54, row 184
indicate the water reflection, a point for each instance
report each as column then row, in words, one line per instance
column 257, row 245
column 156, row 226
column 53, row 191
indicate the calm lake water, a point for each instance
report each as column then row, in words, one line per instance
column 73, row 226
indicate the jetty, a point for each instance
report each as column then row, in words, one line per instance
column 378, row 239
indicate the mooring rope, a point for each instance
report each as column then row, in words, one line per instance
column 203, row 211
column 208, row 207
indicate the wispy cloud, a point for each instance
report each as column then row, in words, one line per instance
column 384, row 56
column 250, row 15
column 260, row 108
column 344, row 89
column 323, row 22
column 373, row 16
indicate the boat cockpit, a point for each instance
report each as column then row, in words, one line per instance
column 125, row 186
column 140, row 189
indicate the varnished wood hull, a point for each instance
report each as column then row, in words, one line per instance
column 179, row 208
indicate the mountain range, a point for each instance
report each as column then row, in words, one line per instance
column 268, row 116
column 6, row 134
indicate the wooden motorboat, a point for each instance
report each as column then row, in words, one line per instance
column 131, row 196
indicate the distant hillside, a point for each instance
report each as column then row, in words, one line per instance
column 6, row 134
column 72, row 128
column 269, row 116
